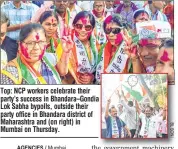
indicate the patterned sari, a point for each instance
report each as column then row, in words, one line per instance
column 18, row 71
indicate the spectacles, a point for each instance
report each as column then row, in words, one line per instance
column 80, row 26
column 113, row 30
column 32, row 44
column 3, row 34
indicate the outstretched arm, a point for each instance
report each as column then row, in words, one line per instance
column 107, row 108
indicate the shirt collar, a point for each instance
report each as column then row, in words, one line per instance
column 22, row 6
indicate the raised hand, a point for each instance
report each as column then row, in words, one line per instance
column 130, row 48
column 67, row 43
column 109, row 100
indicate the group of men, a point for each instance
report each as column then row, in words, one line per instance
column 131, row 120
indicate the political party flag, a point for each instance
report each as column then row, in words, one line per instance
column 134, row 93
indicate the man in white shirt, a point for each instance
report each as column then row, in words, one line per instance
column 149, row 122
column 130, row 113
column 109, row 7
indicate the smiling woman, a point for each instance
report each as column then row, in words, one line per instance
column 84, row 53
column 31, row 66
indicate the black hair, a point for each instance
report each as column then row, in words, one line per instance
column 85, row 14
column 112, row 107
column 138, row 12
column 130, row 103
column 26, row 30
column 150, row 1
column 116, row 19
column 150, row 108
column 46, row 15
column 167, row 43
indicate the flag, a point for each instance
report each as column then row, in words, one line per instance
column 127, row 95
column 143, row 90
column 134, row 93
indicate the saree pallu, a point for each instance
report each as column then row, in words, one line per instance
column 16, row 72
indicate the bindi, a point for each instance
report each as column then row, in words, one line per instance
column 165, row 56
column 52, row 20
column 84, row 20
column 37, row 37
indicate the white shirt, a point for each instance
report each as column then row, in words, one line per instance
column 109, row 11
column 149, row 124
column 73, row 13
column 130, row 117
column 85, row 5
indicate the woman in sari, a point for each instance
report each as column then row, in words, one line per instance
column 84, row 53
column 49, row 21
column 115, row 55
column 31, row 66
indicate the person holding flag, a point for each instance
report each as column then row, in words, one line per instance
column 130, row 111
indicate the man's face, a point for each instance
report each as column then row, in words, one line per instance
column 98, row 7
column 61, row 6
column 149, row 51
column 158, row 4
column 127, row 3
column 148, row 112
column 165, row 63
column 3, row 31
column 113, row 112
column 109, row 4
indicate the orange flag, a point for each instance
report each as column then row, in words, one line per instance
column 143, row 90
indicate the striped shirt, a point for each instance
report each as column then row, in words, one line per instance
column 17, row 16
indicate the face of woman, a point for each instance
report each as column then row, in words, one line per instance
column 50, row 26
column 34, row 46
column 114, row 33
column 83, row 29
column 142, row 17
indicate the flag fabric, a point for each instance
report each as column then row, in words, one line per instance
column 134, row 93
column 144, row 92
column 127, row 95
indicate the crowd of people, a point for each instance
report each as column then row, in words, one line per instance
column 74, row 42
column 130, row 119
